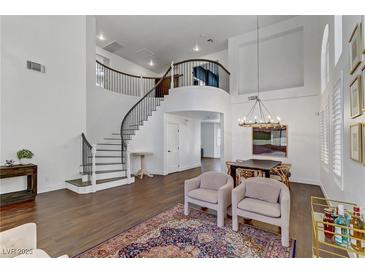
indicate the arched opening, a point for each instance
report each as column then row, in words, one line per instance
column 338, row 37
column 325, row 59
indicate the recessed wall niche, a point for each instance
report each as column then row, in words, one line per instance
column 281, row 62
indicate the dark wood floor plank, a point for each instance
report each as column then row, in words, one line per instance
column 69, row 223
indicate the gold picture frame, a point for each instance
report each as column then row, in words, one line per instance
column 355, row 97
column 355, row 48
column 355, row 142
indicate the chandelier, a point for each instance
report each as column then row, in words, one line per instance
column 259, row 115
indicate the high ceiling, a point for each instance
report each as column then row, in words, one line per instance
column 166, row 38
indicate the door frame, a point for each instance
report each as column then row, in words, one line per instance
column 167, row 148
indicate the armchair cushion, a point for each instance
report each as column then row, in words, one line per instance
column 206, row 195
column 260, row 207
column 263, row 191
column 213, row 180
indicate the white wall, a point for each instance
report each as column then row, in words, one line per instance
column 209, row 139
column 152, row 136
column 303, row 135
column 44, row 112
column 121, row 64
column 353, row 172
column 220, row 56
column 297, row 106
column 299, row 30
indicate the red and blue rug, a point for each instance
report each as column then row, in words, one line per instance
column 171, row 234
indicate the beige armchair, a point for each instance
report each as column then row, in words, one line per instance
column 212, row 190
column 265, row 200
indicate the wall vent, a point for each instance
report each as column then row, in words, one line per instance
column 113, row 46
column 35, row 66
column 145, row 52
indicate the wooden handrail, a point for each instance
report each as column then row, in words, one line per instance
column 203, row 60
column 126, row 74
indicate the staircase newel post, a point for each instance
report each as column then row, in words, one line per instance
column 141, row 86
column 128, row 161
column 93, row 173
column 172, row 75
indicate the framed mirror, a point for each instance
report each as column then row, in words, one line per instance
column 270, row 141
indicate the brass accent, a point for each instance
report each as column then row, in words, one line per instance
column 319, row 243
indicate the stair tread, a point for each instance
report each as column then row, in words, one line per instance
column 106, row 171
column 108, row 144
column 80, row 183
column 106, row 156
column 104, row 164
column 108, row 150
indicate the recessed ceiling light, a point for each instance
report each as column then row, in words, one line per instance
column 101, row 37
column 196, row 48
column 151, row 63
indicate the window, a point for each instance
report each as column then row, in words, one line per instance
column 325, row 60
column 337, row 132
column 324, row 136
column 338, row 37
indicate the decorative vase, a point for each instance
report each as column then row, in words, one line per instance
column 24, row 161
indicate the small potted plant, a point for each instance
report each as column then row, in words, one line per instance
column 24, row 156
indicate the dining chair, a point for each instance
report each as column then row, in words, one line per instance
column 281, row 173
column 244, row 173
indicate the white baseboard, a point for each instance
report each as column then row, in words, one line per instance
column 304, row 181
column 52, row 188
column 195, row 165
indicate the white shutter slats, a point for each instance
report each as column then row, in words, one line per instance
column 336, row 131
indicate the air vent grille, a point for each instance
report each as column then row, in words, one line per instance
column 113, row 46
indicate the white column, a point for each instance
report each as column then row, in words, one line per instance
column 93, row 174
column 172, row 75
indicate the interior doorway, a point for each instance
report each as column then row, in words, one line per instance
column 173, row 137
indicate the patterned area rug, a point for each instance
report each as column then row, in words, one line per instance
column 171, row 234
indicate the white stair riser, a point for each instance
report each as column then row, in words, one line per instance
column 109, row 167
column 114, row 146
column 113, row 184
column 88, row 189
column 110, row 175
column 108, row 160
column 108, row 153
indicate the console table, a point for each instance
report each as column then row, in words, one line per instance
column 23, row 195
column 143, row 171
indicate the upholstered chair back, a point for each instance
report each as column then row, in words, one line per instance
column 265, row 188
column 213, row 180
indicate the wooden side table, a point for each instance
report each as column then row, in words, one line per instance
column 143, row 171
column 23, row 195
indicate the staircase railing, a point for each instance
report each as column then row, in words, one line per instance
column 123, row 83
column 194, row 72
column 88, row 161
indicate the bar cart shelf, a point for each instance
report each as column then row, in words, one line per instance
column 323, row 246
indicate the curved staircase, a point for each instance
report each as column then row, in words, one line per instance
column 106, row 164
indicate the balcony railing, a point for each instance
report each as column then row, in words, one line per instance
column 194, row 72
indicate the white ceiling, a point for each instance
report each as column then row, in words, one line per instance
column 167, row 38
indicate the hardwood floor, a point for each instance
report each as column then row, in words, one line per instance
column 69, row 223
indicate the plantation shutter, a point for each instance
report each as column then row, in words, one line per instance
column 336, row 131
column 324, row 136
